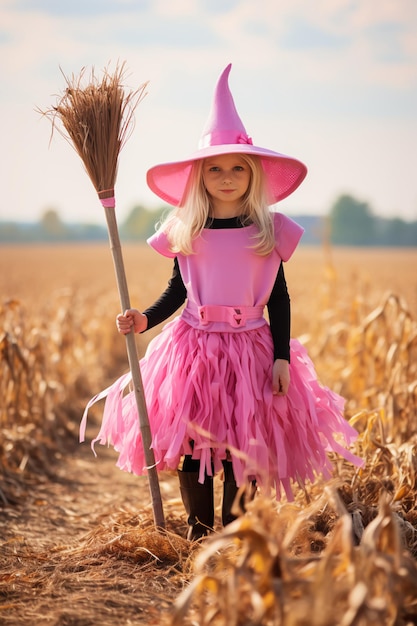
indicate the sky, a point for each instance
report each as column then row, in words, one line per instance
column 330, row 82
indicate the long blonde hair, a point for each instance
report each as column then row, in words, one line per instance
column 185, row 222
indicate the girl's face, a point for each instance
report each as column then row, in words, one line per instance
column 226, row 178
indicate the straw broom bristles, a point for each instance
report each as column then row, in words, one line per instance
column 98, row 119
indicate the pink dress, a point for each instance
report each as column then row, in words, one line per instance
column 208, row 376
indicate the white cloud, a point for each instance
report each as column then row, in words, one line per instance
column 179, row 8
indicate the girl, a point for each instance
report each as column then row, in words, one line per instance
column 225, row 390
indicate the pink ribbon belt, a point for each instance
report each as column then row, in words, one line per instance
column 236, row 316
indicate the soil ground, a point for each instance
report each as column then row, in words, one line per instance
column 83, row 549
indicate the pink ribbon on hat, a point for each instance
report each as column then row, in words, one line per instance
column 222, row 137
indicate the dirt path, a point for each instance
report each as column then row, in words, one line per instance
column 87, row 490
column 83, row 550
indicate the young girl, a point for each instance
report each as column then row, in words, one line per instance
column 225, row 390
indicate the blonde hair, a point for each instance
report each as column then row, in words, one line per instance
column 186, row 222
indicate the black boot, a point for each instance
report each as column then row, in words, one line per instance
column 198, row 501
column 230, row 491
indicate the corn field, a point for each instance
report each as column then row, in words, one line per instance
column 344, row 553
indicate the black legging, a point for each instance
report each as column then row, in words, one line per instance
column 190, row 465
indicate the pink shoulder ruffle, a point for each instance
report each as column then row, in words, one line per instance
column 287, row 234
column 159, row 242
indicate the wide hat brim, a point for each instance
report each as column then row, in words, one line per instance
column 283, row 173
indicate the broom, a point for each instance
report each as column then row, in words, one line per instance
column 98, row 120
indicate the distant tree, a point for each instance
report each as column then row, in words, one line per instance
column 412, row 234
column 398, row 232
column 140, row 223
column 88, row 232
column 52, row 226
column 351, row 222
column 9, row 232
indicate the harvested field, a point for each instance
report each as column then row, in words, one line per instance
column 78, row 545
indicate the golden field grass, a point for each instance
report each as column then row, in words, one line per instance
column 343, row 554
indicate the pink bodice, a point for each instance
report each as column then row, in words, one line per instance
column 226, row 271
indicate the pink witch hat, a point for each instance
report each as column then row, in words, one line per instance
column 224, row 133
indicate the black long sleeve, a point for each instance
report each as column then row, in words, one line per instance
column 170, row 301
column 279, row 311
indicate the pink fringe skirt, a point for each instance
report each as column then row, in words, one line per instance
column 215, row 389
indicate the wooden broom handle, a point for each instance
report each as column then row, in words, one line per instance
column 135, row 370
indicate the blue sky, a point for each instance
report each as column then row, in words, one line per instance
column 331, row 82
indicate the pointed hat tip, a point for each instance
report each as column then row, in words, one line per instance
column 226, row 72
column 222, row 88
column 223, row 125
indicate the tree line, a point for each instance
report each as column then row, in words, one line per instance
column 139, row 225
column 352, row 222
column 349, row 222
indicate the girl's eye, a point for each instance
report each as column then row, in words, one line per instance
column 214, row 169
column 238, row 168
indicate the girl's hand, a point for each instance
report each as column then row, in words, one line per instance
column 131, row 319
column 280, row 377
